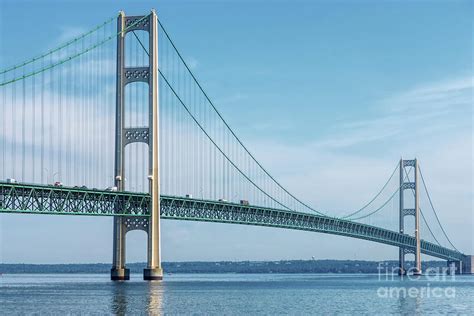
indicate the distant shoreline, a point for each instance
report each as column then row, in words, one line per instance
column 250, row 267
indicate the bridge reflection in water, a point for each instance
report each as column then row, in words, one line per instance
column 128, row 298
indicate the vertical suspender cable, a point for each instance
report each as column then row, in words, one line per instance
column 52, row 115
column 89, row 119
column 33, row 130
column 143, row 120
column 4, row 129
column 175, row 151
column 215, row 163
column 60, row 124
column 82, row 131
column 23, row 113
column 86, row 120
column 95, row 104
column 69, row 122
column 140, row 109
column 43, row 87
column 75, row 115
column 194, row 145
column 101, row 105
column 188, row 147
column 108, row 128
column 180, row 133
column 13, row 105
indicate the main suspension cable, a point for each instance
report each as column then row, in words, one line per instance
column 423, row 216
column 228, row 127
column 53, row 65
column 215, row 144
column 50, row 52
column 434, row 211
column 375, row 197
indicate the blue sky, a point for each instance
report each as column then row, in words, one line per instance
column 327, row 94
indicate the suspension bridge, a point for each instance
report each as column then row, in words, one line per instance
column 123, row 92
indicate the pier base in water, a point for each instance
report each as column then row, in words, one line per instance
column 153, row 274
column 468, row 265
column 119, row 274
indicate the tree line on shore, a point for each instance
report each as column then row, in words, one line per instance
column 282, row 266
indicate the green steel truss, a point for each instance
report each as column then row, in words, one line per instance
column 40, row 199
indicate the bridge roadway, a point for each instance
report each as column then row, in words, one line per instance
column 43, row 199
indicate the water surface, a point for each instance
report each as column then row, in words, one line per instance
column 233, row 294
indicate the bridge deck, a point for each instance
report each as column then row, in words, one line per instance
column 41, row 199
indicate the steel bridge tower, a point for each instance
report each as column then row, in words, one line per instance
column 148, row 135
column 415, row 211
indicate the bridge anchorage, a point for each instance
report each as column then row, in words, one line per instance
column 204, row 158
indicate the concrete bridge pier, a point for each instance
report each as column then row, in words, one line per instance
column 468, row 265
column 118, row 271
column 465, row 266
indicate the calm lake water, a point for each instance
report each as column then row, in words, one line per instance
column 234, row 294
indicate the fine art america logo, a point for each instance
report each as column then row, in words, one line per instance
column 430, row 289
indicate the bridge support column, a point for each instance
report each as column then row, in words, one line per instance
column 118, row 271
column 467, row 265
column 149, row 135
column 415, row 211
column 401, row 262
column 154, row 270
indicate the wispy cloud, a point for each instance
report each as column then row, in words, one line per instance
column 417, row 112
column 449, row 95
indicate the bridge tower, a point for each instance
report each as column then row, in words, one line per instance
column 414, row 211
column 148, row 135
